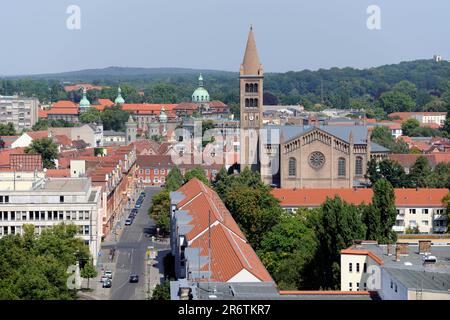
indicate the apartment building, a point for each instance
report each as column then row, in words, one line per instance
column 423, row 117
column 32, row 198
column 417, row 271
column 421, row 208
column 20, row 111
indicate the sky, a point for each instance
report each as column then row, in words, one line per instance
column 291, row 35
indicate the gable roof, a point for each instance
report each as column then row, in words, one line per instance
column 64, row 104
column 37, row 134
column 316, row 197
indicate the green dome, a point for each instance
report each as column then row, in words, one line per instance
column 119, row 99
column 200, row 94
column 84, row 102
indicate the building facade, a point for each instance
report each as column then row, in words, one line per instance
column 31, row 198
column 21, row 112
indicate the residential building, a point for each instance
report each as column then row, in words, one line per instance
column 26, row 138
column 423, row 117
column 421, row 208
column 398, row 272
column 408, row 160
column 32, row 198
column 20, row 111
column 206, row 242
column 111, row 137
column 91, row 133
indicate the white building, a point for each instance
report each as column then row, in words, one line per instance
column 30, row 198
column 418, row 271
column 22, row 112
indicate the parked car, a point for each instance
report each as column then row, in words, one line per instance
column 128, row 222
column 134, row 278
column 104, row 278
column 107, row 283
column 108, row 274
column 143, row 193
column 138, row 205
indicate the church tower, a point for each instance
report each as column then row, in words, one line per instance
column 131, row 130
column 251, row 78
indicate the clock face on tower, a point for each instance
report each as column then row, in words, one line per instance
column 251, row 118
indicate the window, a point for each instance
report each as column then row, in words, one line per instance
column 350, row 267
column 341, row 167
column 392, row 285
column 350, row 286
column 61, row 199
column 247, row 103
column 395, row 287
column 147, row 171
column 365, row 267
column 365, row 286
column 357, row 267
column 424, row 211
column 6, row 199
column 359, row 166
column 357, row 286
column 163, row 171
column 413, row 211
column 292, row 167
column 425, row 222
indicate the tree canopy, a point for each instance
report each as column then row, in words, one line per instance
column 47, row 149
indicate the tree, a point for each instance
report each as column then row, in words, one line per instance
column 44, row 124
column 47, row 149
column 382, row 135
column 88, row 272
column 395, row 101
column 409, row 126
column 406, row 87
column 288, row 250
column 337, row 225
column 388, row 169
column 114, row 118
column 412, row 230
column 160, row 210
column 90, row 116
column 446, row 127
column 174, row 179
column 372, row 220
column 198, row 173
column 419, row 173
column 384, row 202
column 162, row 291
column 446, row 202
column 7, row 129
column 221, row 182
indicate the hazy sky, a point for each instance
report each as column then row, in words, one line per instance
column 211, row 34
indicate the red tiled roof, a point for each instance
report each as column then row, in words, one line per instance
column 42, row 114
column 37, row 134
column 70, row 111
column 64, row 104
column 63, row 140
column 374, row 257
column 147, row 108
column 4, row 155
column 58, row 173
column 407, row 115
column 230, row 252
column 408, row 160
column 8, row 140
column 316, row 197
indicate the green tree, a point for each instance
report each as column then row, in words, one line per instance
column 47, row 149
column 159, row 211
column 395, row 101
column 406, row 87
column 90, row 116
column 409, row 126
column 221, row 182
column 388, row 169
column 288, row 250
column 419, row 173
column 88, row 272
column 384, row 202
column 382, row 135
column 337, row 225
column 174, row 179
column 7, row 129
column 114, row 118
column 161, row 291
column 198, row 173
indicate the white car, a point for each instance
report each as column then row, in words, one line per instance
column 128, row 222
column 108, row 274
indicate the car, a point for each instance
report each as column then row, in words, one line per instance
column 104, row 278
column 128, row 222
column 137, row 206
column 107, row 283
column 134, row 278
column 108, row 274
column 135, row 211
column 142, row 194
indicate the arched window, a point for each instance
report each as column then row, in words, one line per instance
column 256, row 87
column 256, row 102
column 341, row 167
column 292, row 167
column 359, row 166
column 247, row 87
column 247, row 103
column 251, row 87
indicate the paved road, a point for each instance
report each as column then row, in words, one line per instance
column 131, row 254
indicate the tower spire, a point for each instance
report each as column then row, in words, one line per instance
column 251, row 64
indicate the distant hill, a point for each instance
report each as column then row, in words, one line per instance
column 119, row 73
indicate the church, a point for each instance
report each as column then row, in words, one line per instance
column 294, row 156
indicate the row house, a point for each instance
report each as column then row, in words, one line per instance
column 421, row 208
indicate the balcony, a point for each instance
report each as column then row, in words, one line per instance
column 398, row 228
column 400, row 217
column 439, row 229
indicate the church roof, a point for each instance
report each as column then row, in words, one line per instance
column 251, row 64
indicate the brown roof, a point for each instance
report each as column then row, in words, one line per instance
column 408, row 160
column 64, row 104
column 38, row 134
column 70, row 111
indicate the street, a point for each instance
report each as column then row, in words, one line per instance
column 130, row 256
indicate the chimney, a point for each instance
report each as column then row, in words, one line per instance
column 424, row 246
column 389, row 250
